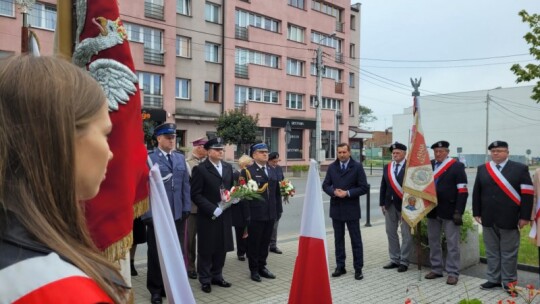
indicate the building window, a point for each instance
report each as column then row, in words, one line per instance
column 183, row 90
column 297, row 3
column 327, row 103
column 327, row 72
column 151, row 86
column 351, row 108
column 269, row 136
column 211, row 91
column 351, row 80
column 295, row 149
column 353, row 22
column 211, row 12
column 295, row 33
column 183, row 7
column 295, row 67
column 43, row 16
column 151, row 37
column 326, row 40
column 7, row 8
column 352, row 51
column 326, row 8
column 244, row 94
column 328, row 143
column 183, row 46
column 211, row 52
column 295, row 101
column 244, row 56
column 245, row 19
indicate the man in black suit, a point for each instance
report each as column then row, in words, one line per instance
column 451, row 184
column 273, row 160
column 345, row 182
column 390, row 200
column 262, row 212
column 502, row 204
column 214, row 225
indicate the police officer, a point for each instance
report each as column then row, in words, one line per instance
column 273, row 160
column 172, row 166
column 451, row 184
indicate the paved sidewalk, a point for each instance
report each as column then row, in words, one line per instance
column 378, row 286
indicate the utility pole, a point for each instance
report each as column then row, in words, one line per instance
column 487, row 126
column 318, row 143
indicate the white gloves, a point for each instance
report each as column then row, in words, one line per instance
column 218, row 212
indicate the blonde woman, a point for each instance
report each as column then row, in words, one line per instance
column 239, row 214
column 46, row 253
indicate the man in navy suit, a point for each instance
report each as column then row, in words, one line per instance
column 390, row 200
column 172, row 166
column 502, row 204
column 345, row 182
column 451, row 184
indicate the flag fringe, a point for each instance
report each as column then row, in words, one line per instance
column 141, row 207
column 118, row 249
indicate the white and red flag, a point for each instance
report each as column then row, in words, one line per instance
column 420, row 196
column 311, row 280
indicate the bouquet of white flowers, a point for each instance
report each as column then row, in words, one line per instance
column 242, row 191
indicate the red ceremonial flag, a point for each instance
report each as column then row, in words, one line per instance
column 311, row 281
column 102, row 48
column 419, row 194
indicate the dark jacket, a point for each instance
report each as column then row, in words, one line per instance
column 280, row 177
column 354, row 180
column 264, row 209
column 493, row 205
column 240, row 210
column 387, row 195
column 449, row 199
column 213, row 235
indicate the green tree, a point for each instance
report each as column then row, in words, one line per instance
column 236, row 127
column 531, row 71
column 365, row 115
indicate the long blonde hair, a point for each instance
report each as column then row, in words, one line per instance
column 44, row 103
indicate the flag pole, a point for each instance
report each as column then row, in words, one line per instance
column 415, row 84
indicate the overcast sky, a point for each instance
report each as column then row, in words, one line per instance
column 401, row 33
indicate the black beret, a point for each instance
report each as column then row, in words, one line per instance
column 398, row 146
column 214, row 143
column 498, row 144
column 273, row 155
column 440, row 144
column 166, row 128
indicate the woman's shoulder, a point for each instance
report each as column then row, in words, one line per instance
column 48, row 279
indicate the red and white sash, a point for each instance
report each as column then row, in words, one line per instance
column 505, row 186
column 393, row 180
column 443, row 167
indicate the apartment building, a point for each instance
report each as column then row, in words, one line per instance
column 196, row 59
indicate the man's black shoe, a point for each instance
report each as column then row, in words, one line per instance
column 221, row 283
column 490, row 285
column 134, row 272
column 402, row 268
column 276, row 250
column 338, row 272
column 155, row 298
column 265, row 273
column 358, row 275
column 241, row 258
column 390, row 265
column 192, row 274
column 255, row 277
column 206, row 288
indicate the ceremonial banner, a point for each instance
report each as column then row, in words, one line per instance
column 419, row 196
column 102, row 48
column 311, row 281
column 535, row 216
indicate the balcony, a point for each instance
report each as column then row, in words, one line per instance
column 339, row 87
column 153, row 101
column 241, row 33
column 340, row 26
column 152, row 56
column 339, row 57
column 241, row 71
column 154, row 11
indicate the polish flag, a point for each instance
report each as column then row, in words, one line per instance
column 311, row 281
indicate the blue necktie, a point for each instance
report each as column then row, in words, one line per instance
column 396, row 169
column 342, row 167
column 169, row 159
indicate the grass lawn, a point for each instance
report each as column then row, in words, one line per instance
column 528, row 252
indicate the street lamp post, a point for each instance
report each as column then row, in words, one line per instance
column 319, row 66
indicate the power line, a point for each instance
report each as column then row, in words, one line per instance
column 444, row 60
